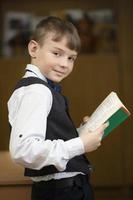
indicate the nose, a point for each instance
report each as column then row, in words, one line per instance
column 64, row 63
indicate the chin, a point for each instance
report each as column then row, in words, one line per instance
column 58, row 79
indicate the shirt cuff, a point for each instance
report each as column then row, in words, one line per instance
column 75, row 147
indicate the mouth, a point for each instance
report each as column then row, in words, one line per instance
column 59, row 72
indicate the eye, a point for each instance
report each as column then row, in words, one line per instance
column 56, row 54
column 71, row 58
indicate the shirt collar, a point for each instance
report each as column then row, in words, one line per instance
column 33, row 70
column 36, row 71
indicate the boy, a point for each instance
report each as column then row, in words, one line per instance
column 43, row 137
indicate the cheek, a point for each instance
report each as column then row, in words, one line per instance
column 49, row 68
column 71, row 69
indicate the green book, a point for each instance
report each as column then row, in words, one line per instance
column 112, row 110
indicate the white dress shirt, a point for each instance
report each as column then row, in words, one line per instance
column 29, row 107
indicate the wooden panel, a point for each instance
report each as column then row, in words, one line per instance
column 43, row 7
column 20, row 192
column 126, row 58
column 13, row 184
column 10, row 72
column 15, row 175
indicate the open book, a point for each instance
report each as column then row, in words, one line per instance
column 111, row 110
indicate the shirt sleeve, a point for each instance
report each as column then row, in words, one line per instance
column 28, row 145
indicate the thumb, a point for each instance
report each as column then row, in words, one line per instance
column 85, row 119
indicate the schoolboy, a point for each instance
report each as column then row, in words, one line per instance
column 43, row 137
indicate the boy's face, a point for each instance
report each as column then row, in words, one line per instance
column 54, row 59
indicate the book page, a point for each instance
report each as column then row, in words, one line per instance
column 106, row 109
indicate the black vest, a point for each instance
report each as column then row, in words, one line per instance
column 59, row 126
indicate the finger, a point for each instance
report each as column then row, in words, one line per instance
column 106, row 124
column 85, row 119
column 102, row 128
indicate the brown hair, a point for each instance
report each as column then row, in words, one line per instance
column 59, row 28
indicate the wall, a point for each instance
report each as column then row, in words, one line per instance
column 126, row 79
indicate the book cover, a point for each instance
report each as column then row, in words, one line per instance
column 115, row 120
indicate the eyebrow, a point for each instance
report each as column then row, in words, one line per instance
column 75, row 55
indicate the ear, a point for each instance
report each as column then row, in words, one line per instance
column 32, row 48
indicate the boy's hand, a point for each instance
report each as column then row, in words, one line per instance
column 92, row 140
